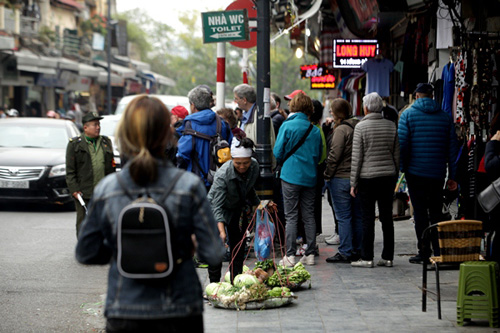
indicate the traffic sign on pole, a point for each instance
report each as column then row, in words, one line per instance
column 225, row 26
column 251, row 8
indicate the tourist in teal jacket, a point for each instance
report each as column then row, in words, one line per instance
column 298, row 175
column 299, row 169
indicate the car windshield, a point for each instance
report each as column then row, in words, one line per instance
column 33, row 136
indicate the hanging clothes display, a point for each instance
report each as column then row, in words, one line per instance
column 378, row 76
column 352, row 87
column 476, row 88
column 448, row 77
column 461, row 86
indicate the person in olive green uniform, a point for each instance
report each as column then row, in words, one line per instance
column 89, row 157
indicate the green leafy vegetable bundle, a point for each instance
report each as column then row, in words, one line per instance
column 289, row 276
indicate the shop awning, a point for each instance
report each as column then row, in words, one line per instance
column 70, row 65
column 140, row 65
column 160, row 79
column 70, row 3
column 30, row 62
column 90, row 71
column 37, row 69
column 123, row 72
column 115, row 79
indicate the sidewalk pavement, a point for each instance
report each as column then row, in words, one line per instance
column 347, row 299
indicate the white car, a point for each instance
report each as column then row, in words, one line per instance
column 108, row 128
column 169, row 100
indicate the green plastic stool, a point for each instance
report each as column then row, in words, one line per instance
column 477, row 292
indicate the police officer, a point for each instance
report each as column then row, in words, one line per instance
column 89, row 157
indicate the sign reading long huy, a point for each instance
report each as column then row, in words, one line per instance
column 352, row 53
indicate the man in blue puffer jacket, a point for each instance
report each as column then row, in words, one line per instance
column 196, row 157
column 429, row 147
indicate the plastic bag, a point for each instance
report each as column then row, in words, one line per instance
column 264, row 236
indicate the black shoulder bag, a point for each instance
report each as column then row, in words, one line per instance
column 277, row 171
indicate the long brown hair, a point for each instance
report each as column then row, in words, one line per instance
column 143, row 132
column 342, row 110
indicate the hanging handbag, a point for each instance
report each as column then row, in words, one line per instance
column 490, row 197
column 277, row 170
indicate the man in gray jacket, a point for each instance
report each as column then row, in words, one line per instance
column 374, row 170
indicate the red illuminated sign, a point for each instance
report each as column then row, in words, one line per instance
column 323, row 82
column 352, row 53
column 320, row 75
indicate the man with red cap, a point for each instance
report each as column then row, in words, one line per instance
column 177, row 115
column 288, row 98
column 292, row 95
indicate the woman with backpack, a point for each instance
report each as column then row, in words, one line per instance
column 173, row 303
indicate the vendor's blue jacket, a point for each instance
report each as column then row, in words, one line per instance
column 179, row 295
column 427, row 140
column 202, row 121
column 300, row 168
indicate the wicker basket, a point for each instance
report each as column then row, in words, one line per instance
column 459, row 240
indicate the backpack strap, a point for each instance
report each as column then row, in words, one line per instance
column 123, row 186
column 297, row 146
column 164, row 196
column 170, row 187
column 188, row 130
column 346, row 123
column 218, row 126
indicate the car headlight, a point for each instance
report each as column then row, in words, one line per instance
column 58, row 170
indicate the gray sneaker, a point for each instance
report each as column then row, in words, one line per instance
column 362, row 263
column 386, row 263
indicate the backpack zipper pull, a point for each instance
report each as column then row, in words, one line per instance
column 141, row 215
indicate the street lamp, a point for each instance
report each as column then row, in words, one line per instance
column 299, row 53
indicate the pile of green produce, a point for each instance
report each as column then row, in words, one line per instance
column 240, row 294
column 289, row 276
column 264, row 282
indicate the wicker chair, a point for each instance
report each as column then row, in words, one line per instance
column 459, row 241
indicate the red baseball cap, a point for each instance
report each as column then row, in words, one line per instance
column 179, row 111
column 292, row 95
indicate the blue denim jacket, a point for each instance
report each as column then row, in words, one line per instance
column 181, row 294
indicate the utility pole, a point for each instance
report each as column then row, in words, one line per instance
column 108, row 26
column 264, row 149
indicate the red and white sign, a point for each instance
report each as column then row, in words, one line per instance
column 321, row 76
column 252, row 22
column 353, row 53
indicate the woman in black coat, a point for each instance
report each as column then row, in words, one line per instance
column 492, row 166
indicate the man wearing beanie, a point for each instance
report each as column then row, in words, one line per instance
column 374, row 171
column 89, row 157
column 429, row 149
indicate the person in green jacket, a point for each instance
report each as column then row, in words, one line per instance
column 232, row 194
column 89, row 157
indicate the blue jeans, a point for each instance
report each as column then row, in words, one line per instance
column 348, row 215
column 293, row 197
